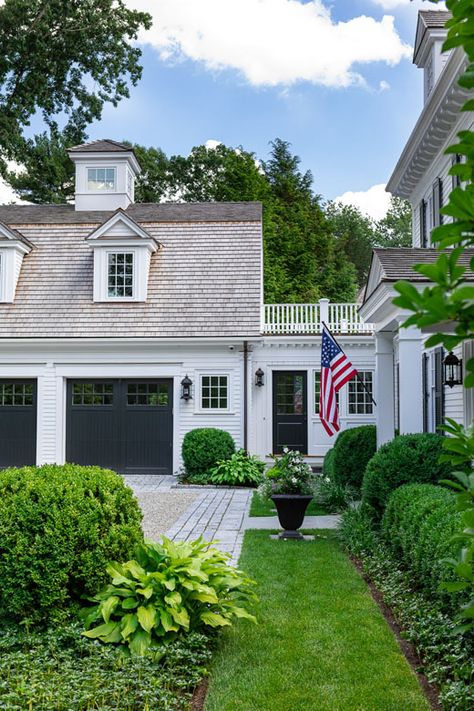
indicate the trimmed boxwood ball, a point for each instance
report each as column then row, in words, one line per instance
column 59, row 527
column 328, row 464
column 352, row 451
column 410, row 458
column 203, row 448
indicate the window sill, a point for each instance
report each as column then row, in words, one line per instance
column 214, row 412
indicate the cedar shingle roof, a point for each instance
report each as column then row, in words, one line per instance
column 101, row 145
column 140, row 212
column 205, row 281
column 434, row 18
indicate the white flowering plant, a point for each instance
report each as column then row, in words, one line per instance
column 289, row 475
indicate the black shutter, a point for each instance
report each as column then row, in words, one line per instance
column 439, row 388
column 437, row 202
column 456, row 160
column 423, row 240
column 426, row 395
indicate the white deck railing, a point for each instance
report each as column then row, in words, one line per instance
column 306, row 319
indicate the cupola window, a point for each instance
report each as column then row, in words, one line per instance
column 101, row 179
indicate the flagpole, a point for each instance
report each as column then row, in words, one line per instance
column 357, row 372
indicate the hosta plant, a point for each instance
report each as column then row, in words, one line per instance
column 240, row 470
column 169, row 589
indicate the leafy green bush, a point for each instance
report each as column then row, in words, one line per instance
column 59, row 669
column 240, row 470
column 171, row 588
column 328, row 464
column 352, row 451
column 411, row 458
column 59, row 525
column 289, row 475
column 203, row 448
column 418, row 524
column 332, row 496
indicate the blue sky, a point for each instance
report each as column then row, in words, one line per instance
column 334, row 79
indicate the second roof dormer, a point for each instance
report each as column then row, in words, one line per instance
column 105, row 175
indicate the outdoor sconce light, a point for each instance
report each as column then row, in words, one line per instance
column 259, row 378
column 186, row 385
column 452, row 370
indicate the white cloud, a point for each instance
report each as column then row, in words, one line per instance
column 384, row 85
column 392, row 4
column 211, row 144
column 373, row 202
column 271, row 42
column 7, row 195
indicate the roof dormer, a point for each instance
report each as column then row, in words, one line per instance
column 428, row 53
column 122, row 254
column 13, row 247
column 105, row 175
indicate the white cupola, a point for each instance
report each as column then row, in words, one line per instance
column 428, row 53
column 105, row 175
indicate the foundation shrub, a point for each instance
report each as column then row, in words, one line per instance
column 411, row 458
column 328, row 464
column 352, row 451
column 59, row 526
column 418, row 526
column 203, row 448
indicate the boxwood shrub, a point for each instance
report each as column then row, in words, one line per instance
column 352, row 451
column 203, row 448
column 418, row 525
column 410, row 458
column 328, row 464
column 59, row 527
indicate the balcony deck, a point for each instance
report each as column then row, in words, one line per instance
column 307, row 319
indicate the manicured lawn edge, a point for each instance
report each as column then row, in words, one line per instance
column 321, row 642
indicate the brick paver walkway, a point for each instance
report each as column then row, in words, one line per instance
column 218, row 514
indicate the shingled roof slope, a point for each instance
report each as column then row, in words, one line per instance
column 140, row 212
column 105, row 145
column 434, row 18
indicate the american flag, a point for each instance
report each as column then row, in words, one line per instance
column 336, row 370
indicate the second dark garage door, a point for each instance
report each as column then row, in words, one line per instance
column 124, row 425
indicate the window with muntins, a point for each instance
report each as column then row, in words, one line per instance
column 120, row 268
column 317, row 392
column 359, row 397
column 16, row 394
column 92, row 394
column 214, row 392
column 101, row 179
column 147, row 394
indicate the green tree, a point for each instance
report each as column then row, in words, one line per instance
column 355, row 235
column 394, row 230
column 60, row 57
column 449, row 305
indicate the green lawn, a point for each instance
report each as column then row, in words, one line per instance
column 321, row 643
column 263, row 507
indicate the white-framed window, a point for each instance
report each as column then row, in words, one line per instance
column 317, row 391
column 120, row 275
column 214, row 392
column 101, row 179
column 359, row 400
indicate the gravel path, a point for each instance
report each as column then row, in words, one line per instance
column 161, row 509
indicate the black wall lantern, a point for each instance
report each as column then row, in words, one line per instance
column 452, row 370
column 186, row 385
column 259, row 378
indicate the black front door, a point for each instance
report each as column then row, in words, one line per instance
column 17, row 423
column 290, row 420
column 124, row 425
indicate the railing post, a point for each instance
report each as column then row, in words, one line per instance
column 323, row 312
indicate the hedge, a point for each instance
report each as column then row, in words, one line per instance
column 411, row 458
column 352, row 451
column 59, row 527
column 418, row 525
column 328, row 464
column 203, row 448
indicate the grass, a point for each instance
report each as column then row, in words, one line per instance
column 321, row 644
column 263, row 507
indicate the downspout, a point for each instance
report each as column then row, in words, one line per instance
column 246, row 358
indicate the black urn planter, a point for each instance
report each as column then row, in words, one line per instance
column 291, row 509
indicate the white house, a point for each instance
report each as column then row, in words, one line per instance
column 410, row 380
column 107, row 306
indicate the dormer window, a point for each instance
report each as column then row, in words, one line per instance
column 101, row 179
column 13, row 247
column 120, row 275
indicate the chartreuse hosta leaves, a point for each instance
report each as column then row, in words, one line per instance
column 170, row 588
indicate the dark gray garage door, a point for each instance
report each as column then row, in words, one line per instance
column 17, row 423
column 124, row 425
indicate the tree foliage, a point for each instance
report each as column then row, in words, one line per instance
column 394, row 230
column 449, row 302
column 67, row 58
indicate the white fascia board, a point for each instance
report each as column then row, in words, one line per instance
column 121, row 217
column 146, row 341
column 86, row 157
column 446, row 98
column 380, row 309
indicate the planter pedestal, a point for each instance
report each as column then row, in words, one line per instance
column 291, row 509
